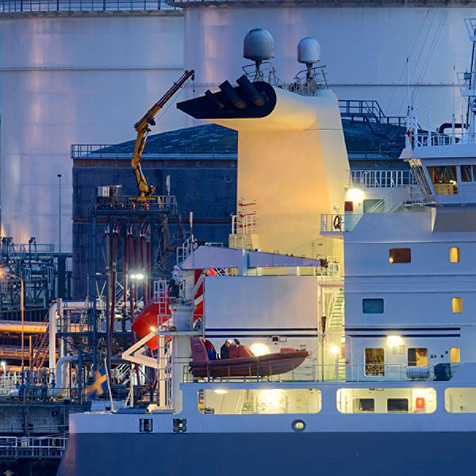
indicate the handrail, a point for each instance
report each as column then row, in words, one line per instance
column 38, row 6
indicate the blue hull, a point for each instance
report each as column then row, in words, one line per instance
column 247, row 454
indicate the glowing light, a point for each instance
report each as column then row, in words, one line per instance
column 221, row 391
column 259, row 348
column 153, row 329
column 138, row 276
column 355, row 195
column 335, row 349
column 395, row 340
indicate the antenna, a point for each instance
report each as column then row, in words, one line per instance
column 258, row 46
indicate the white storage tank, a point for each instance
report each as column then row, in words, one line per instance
column 364, row 48
column 74, row 78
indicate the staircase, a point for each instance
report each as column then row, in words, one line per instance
column 336, row 324
column 40, row 346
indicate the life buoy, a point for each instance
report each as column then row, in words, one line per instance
column 337, row 222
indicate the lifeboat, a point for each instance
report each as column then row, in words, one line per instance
column 241, row 361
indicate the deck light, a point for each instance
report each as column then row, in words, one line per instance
column 259, row 348
column 395, row 340
column 355, row 195
column 221, row 391
column 334, row 349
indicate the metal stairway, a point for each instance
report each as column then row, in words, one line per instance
column 336, row 324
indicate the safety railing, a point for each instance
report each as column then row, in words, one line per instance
column 438, row 140
column 38, row 6
column 380, row 178
column 187, row 152
column 15, row 447
column 310, row 371
column 243, row 224
column 339, row 223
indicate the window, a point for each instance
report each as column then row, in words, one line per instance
column 372, row 306
column 386, row 400
column 364, row 405
column 400, row 255
column 417, row 357
column 228, row 401
column 146, row 425
column 454, row 254
column 460, row 400
column 374, row 205
column 374, row 362
column 444, row 180
column 455, row 355
column 457, row 305
column 468, row 173
column 397, row 405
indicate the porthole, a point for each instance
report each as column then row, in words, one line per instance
column 298, row 425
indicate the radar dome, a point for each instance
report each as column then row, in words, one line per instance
column 258, row 45
column 309, row 50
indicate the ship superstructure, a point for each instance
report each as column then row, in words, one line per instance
column 396, row 377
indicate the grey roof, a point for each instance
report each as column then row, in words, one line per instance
column 214, row 139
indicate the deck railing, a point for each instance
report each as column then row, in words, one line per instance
column 45, row 6
column 15, row 447
column 380, row 178
column 313, row 372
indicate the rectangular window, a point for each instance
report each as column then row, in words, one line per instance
column 364, row 405
column 455, row 355
column 386, row 400
column 397, row 405
column 457, row 305
column 374, row 362
column 460, row 400
column 372, row 306
column 146, row 425
column 454, row 254
column 418, row 357
column 374, row 205
column 466, row 175
column 228, row 401
column 444, row 180
column 400, row 255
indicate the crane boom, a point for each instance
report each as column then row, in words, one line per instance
column 143, row 129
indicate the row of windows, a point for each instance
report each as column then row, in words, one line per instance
column 224, row 401
column 376, row 305
column 416, row 357
column 404, row 255
column 447, row 175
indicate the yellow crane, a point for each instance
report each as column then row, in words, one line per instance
column 143, row 129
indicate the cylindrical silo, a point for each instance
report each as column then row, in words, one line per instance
column 75, row 77
column 399, row 55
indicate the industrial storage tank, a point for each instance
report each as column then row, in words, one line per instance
column 70, row 77
column 365, row 47
column 86, row 76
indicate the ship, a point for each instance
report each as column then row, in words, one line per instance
column 390, row 388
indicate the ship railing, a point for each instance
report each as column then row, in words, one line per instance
column 186, row 249
column 336, row 371
column 336, row 223
column 39, row 6
column 438, row 140
column 466, row 82
column 243, row 224
column 380, row 178
column 51, row 447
